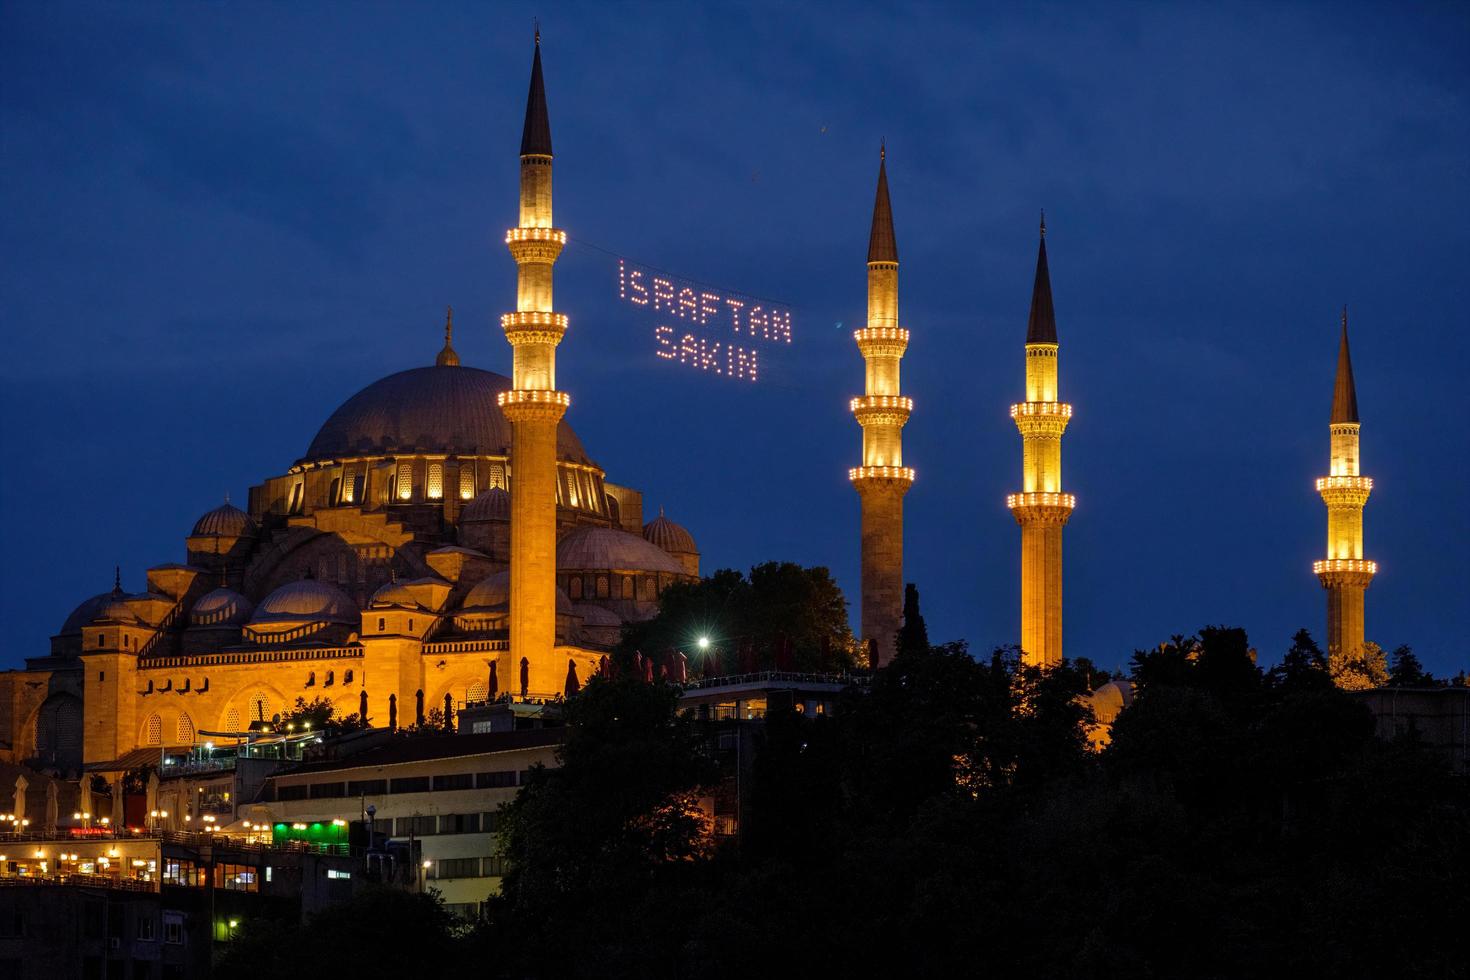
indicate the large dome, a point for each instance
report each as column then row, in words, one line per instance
column 226, row 520
column 440, row 409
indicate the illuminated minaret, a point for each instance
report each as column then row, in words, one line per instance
column 1041, row 508
column 882, row 480
column 533, row 405
column 1345, row 573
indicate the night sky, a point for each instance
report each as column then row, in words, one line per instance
column 222, row 220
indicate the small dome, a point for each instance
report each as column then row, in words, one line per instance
column 87, row 611
column 226, row 521
column 669, row 536
column 116, row 610
column 493, row 592
column 492, row 505
column 394, row 594
column 1109, row 700
column 591, row 548
column 222, row 607
column 307, row 601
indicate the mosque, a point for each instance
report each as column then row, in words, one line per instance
column 446, row 538
column 378, row 570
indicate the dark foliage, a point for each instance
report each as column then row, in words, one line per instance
column 749, row 620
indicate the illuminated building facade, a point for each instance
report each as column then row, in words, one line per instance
column 1041, row 508
column 1344, row 573
column 882, row 411
column 445, row 538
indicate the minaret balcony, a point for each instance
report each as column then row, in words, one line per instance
column 890, row 477
column 1344, row 491
column 1041, row 507
column 528, row 405
column 881, row 409
column 1354, row 573
column 882, row 341
column 533, row 327
column 1041, row 418
column 535, row 244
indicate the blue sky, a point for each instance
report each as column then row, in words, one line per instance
column 224, row 219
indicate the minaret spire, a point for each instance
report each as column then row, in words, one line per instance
column 533, row 405
column 1041, row 326
column 1344, row 392
column 1041, row 509
column 536, row 135
column 882, row 411
column 1345, row 573
column 882, row 246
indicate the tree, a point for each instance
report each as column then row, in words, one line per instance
column 1405, row 670
column 1359, row 670
column 617, row 818
column 1303, row 668
column 913, row 635
column 320, row 715
column 778, row 604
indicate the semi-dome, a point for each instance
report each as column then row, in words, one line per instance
column 493, row 593
column 226, row 521
column 492, row 505
column 394, row 594
column 669, row 536
column 306, row 601
column 222, row 607
column 591, row 548
column 597, row 616
column 1109, row 700
column 446, row 408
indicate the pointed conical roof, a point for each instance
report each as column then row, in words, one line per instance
column 536, row 137
column 882, row 246
column 1344, row 392
column 1041, row 327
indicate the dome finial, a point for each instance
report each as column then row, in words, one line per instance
column 447, row 357
column 117, row 579
column 1043, row 222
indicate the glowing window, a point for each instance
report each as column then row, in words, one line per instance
column 478, row 691
column 497, row 476
column 466, row 483
column 628, row 587
column 153, row 730
column 347, row 489
column 185, row 729
column 232, row 720
column 603, row 589
column 436, row 481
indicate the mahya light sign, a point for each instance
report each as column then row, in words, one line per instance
column 701, row 327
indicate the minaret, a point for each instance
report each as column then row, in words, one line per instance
column 1041, row 508
column 1345, row 573
column 533, row 405
column 882, row 480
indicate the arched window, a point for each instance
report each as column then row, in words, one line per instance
column 153, row 730
column 260, row 706
column 346, row 677
column 186, row 729
column 603, row 590
column 628, row 587
column 59, row 731
column 574, row 587
column 466, row 482
column 477, row 692
column 436, row 481
column 232, row 720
